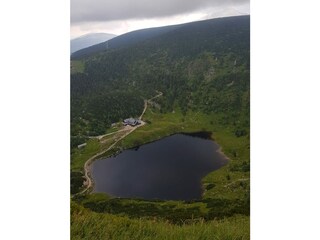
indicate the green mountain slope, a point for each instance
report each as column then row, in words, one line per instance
column 202, row 65
column 124, row 40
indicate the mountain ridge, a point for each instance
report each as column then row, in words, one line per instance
column 88, row 40
column 141, row 35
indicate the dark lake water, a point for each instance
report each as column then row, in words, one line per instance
column 168, row 169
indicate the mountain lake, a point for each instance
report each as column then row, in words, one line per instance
column 168, row 169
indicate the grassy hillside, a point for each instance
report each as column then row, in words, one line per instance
column 89, row 225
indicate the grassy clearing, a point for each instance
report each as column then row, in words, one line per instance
column 90, row 225
column 112, row 130
column 77, row 66
column 80, row 156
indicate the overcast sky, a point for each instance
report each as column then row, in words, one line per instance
column 121, row 16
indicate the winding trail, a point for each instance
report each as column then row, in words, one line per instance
column 148, row 101
column 88, row 183
column 104, row 135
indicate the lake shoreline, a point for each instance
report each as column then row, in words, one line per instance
column 209, row 150
column 208, row 135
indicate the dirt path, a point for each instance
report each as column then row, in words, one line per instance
column 144, row 109
column 88, row 183
column 104, row 135
column 147, row 101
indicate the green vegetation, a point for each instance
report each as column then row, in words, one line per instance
column 204, row 78
column 112, row 130
column 226, row 194
column 80, row 156
column 76, row 180
column 175, row 212
column 94, row 112
column 90, row 225
column 77, row 66
column 208, row 72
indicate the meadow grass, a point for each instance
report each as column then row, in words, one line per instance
column 80, row 156
column 90, row 225
column 77, row 66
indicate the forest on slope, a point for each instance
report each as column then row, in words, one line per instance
column 200, row 65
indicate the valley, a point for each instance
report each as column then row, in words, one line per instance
column 201, row 84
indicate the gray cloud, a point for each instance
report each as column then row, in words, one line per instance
column 106, row 10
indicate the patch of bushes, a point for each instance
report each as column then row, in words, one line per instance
column 210, row 186
column 173, row 212
column 77, row 179
column 240, row 132
column 244, row 167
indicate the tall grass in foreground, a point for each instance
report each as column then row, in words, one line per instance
column 90, row 225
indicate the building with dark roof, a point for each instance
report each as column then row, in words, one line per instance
column 131, row 122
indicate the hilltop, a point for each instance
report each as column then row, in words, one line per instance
column 88, row 40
